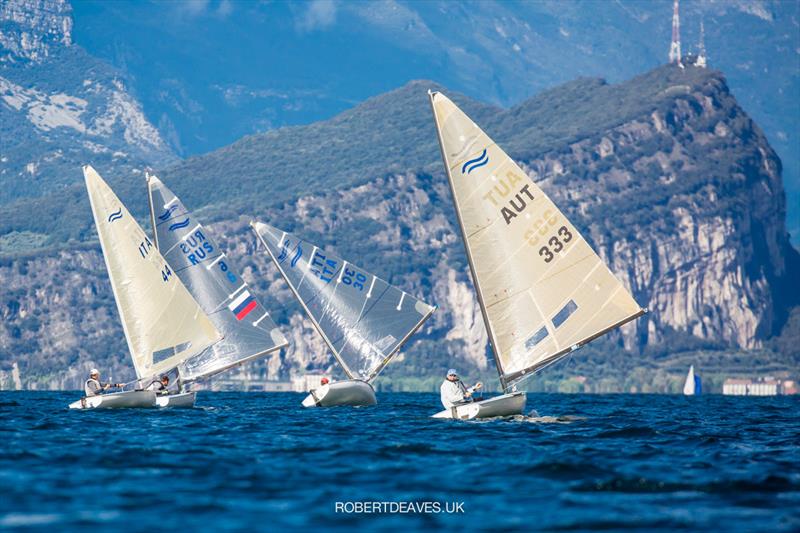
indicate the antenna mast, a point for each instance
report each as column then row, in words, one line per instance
column 675, row 46
column 701, row 53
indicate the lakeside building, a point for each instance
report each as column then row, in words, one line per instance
column 766, row 386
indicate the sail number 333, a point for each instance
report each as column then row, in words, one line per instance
column 555, row 244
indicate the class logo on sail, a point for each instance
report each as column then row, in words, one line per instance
column 167, row 213
column 478, row 162
column 285, row 253
column 116, row 215
column 243, row 305
column 179, row 225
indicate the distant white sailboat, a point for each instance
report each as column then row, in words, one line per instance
column 363, row 319
column 693, row 385
column 163, row 324
column 249, row 333
column 543, row 291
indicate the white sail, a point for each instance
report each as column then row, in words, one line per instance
column 162, row 322
column 542, row 289
column 363, row 319
column 216, row 284
column 689, row 384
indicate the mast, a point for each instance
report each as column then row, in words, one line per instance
column 319, row 329
column 464, row 239
column 152, row 213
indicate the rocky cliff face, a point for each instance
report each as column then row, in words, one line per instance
column 679, row 192
column 60, row 109
column 686, row 204
column 29, row 28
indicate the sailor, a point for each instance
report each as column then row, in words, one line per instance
column 160, row 385
column 93, row 387
column 454, row 391
column 324, row 381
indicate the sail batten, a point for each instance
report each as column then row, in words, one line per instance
column 216, row 284
column 359, row 320
column 163, row 324
column 541, row 287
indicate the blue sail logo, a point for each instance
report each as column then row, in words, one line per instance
column 297, row 256
column 478, row 162
column 116, row 215
column 167, row 213
column 284, row 252
column 179, row 225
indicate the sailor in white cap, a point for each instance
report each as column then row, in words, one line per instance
column 93, row 387
column 454, row 391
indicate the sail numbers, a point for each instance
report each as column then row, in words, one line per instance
column 541, row 227
column 555, row 244
column 354, row 278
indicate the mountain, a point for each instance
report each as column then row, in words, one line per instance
column 670, row 180
column 59, row 109
column 247, row 67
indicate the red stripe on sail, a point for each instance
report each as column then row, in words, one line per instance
column 246, row 311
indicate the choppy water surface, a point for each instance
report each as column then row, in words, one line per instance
column 260, row 461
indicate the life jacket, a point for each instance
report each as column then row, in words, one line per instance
column 89, row 391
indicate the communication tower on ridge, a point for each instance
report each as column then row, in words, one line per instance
column 675, row 46
column 701, row 48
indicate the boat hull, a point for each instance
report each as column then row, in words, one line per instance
column 352, row 392
column 506, row 405
column 175, row 401
column 117, row 400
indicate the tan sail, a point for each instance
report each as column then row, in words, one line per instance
column 542, row 289
column 163, row 324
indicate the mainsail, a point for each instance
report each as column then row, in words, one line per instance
column 163, row 324
column 542, row 289
column 214, row 281
column 688, row 385
column 692, row 386
column 363, row 319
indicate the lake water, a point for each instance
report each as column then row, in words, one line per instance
column 260, row 461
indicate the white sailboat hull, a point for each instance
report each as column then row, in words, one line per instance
column 506, row 405
column 117, row 400
column 352, row 392
column 180, row 400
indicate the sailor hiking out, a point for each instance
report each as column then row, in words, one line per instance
column 453, row 390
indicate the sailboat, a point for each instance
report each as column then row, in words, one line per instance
column 363, row 319
column 212, row 278
column 163, row 324
column 542, row 290
column 693, row 385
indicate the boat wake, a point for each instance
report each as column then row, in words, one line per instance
column 534, row 417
